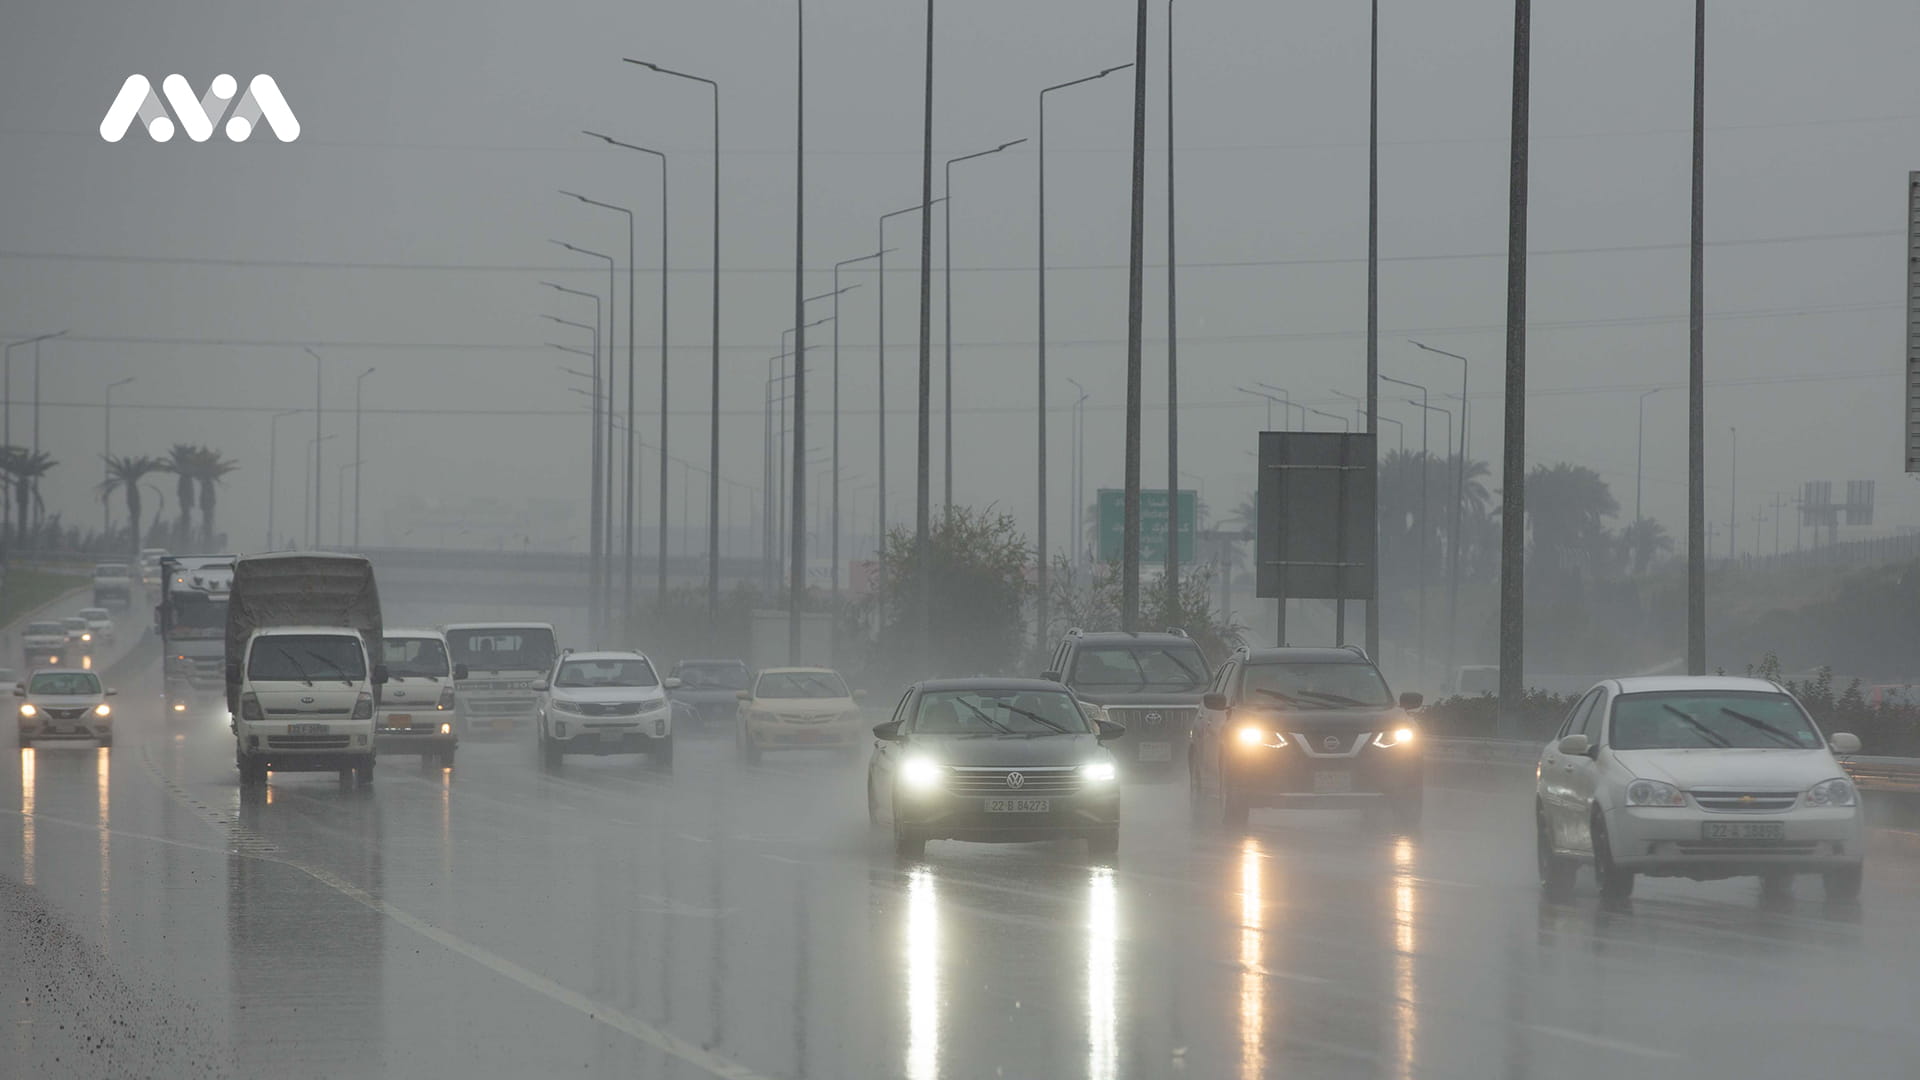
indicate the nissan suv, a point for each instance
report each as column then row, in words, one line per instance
column 1149, row 683
column 1305, row 728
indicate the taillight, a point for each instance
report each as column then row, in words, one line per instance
column 446, row 697
column 249, row 706
column 363, row 708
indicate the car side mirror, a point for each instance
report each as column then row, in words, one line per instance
column 859, row 695
column 379, row 674
column 539, row 686
column 111, row 692
column 1575, row 746
column 460, row 672
column 743, row 695
column 889, row 732
column 1411, row 701
column 1107, row 729
column 1050, row 676
column 1844, row 742
column 670, row 683
column 19, row 689
column 1216, row 702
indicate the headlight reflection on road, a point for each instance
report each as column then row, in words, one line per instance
column 1253, row 972
column 103, row 783
column 1405, row 910
column 1103, row 938
column 26, row 814
column 923, row 976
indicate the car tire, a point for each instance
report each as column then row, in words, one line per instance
column 873, row 808
column 660, row 755
column 1615, row 883
column 1104, row 846
column 1556, row 871
column 749, row 750
column 909, row 843
column 251, row 775
column 1844, row 884
column 550, row 753
column 363, row 772
column 446, row 758
column 1196, row 799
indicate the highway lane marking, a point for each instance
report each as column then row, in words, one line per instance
column 658, row 1038
column 1601, row 1042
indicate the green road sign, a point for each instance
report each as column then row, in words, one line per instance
column 1153, row 525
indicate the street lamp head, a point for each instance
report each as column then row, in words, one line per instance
column 122, row 382
column 1005, row 145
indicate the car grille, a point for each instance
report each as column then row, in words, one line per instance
column 496, row 706
column 616, row 708
column 308, row 713
column 1041, row 781
column 1328, row 743
column 66, row 714
column 1153, row 721
column 307, row 742
column 1747, row 801
column 1744, row 847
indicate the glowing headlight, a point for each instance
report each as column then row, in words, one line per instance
column 179, row 706
column 29, row 710
column 1654, row 793
column 1253, row 736
column 1835, row 792
column 1387, row 740
column 446, row 729
column 919, row 772
column 86, row 637
column 1098, row 772
column 103, row 709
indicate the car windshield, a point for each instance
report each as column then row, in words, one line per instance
column 630, row 671
column 998, row 712
column 1150, row 667
column 1710, row 720
column 76, row 624
column 64, row 682
column 95, row 614
column 1322, row 685
column 110, row 570
column 192, row 611
column 712, row 676
column 800, row 684
column 416, row 657
column 307, row 658
column 524, row 648
column 46, row 628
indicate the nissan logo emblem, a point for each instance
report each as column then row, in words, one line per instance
column 306, row 701
column 1015, row 779
column 1153, row 719
column 1331, row 742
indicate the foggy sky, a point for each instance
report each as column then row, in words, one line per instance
column 435, row 135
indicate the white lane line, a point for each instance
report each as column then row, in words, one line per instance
column 1601, row 1042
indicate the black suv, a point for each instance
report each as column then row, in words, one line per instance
column 1149, row 683
column 1314, row 728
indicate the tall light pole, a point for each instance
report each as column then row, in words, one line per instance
column 1697, row 365
column 6, row 391
column 1270, row 399
column 922, row 548
column 1733, row 495
column 1079, row 477
column 1640, row 452
column 1345, row 424
column 1513, row 520
column 607, row 430
column 1171, row 582
column 835, row 570
column 313, row 496
column 713, row 431
column 947, row 279
column 356, row 455
column 273, row 454
column 106, row 453
column 1459, row 503
column 880, row 367
column 595, row 510
column 1041, row 549
column 797, row 573
column 1286, row 399
column 1426, row 521
column 1136, row 270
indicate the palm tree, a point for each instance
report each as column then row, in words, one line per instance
column 1646, row 540
column 1565, row 505
column 183, row 460
column 24, row 468
column 124, row 474
column 211, row 469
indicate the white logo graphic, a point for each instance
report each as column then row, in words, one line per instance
column 262, row 100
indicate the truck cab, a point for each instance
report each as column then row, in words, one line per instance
column 112, row 585
column 504, row 660
column 191, row 621
column 418, row 711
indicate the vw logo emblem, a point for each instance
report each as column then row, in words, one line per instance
column 1153, row 719
column 306, row 701
column 1015, row 779
column 1331, row 742
column 399, row 693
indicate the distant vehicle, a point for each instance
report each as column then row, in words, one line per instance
column 112, row 585
column 1699, row 777
column 799, row 709
column 1149, row 683
column 44, row 644
column 1475, row 680
column 994, row 760
column 64, row 704
column 79, row 630
column 303, row 642
column 191, row 620
column 505, row 659
column 708, row 693
column 418, row 711
column 1305, row 728
column 150, row 572
column 604, row 703
column 100, row 621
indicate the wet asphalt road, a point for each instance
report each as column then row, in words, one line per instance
column 606, row 920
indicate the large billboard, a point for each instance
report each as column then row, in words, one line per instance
column 1315, row 537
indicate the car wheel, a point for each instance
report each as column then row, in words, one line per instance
column 550, row 753
column 363, row 772
column 1104, row 846
column 1844, row 884
column 749, row 750
column 1556, row 871
column 1615, row 883
column 661, row 755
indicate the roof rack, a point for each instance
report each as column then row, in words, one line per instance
column 1176, row 631
column 1243, row 649
column 1075, row 632
column 1359, row 652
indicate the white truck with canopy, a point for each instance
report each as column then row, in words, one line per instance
column 303, row 669
column 191, row 620
column 503, row 660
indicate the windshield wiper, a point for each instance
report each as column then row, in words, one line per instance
column 338, row 674
column 304, row 677
column 1775, row 733
column 1332, row 699
column 1282, row 695
column 1036, row 718
column 991, row 722
column 1706, row 732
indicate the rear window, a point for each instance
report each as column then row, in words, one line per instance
column 516, row 649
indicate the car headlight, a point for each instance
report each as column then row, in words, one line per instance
column 363, row 706
column 1838, row 791
column 1654, row 793
column 28, row 710
column 1253, row 736
column 921, row 773
column 653, row 706
column 446, row 729
column 86, row 637
column 1098, row 772
column 557, row 705
column 1399, row 736
column 103, row 709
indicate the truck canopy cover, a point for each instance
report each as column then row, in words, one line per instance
column 300, row 589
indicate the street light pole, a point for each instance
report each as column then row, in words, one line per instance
column 1040, row 465
column 356, row 456
column 835, row 570
column 1696, row 365
column 1287, row 400
column 1459, row 503
column 1079, row 471
column 607, row 430
column 922, row 506
column 947, row 279
column 880, row 367
column 106, row 454
column 314, row 508
column 273, row 454
column 595, row 510
column 713, row 432
column 313, row 500
column 1513, row 520
column 1171, row 574
column 1426, row 521
column 1639, row 452
column 1136, row 268
column 797, row 573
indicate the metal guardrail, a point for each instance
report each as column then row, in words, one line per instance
column 1890, row 774
column 1884, row 773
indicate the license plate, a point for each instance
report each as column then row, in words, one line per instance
column 399, row 718
column 1743, row 830
column 1156, row 751
column 306, row 729
column 1019, row 806
column 612, row 736
column 1332, row 781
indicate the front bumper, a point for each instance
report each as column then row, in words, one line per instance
column 941, row 815
column 602, row 736
column 1289, row 777
column 792, row 735
column 343, row 745
column 423, row 738
column 1670, row 841
column 75, row 731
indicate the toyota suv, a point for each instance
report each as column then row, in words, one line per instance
column 1148, row 683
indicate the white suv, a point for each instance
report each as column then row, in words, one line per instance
column 604, row 703
column 1697, row 777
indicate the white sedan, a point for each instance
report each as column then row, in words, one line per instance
column 1696, row 777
